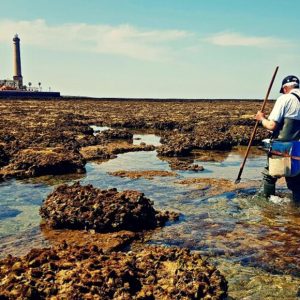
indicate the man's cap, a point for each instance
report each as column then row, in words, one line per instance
column 289, row 80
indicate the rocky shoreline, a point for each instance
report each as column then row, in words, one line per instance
column 85, row 225
column 50, row 138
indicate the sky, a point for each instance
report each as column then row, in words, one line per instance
column 153, row 49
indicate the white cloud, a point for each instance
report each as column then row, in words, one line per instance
column 237, row 39
column 122, row 40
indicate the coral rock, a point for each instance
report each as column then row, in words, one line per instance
column 73, row 272
column 44, row 161
column 85, row 207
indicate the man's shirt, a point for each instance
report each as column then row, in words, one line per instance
column 286, row 106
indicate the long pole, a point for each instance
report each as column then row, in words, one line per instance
column 255, row 128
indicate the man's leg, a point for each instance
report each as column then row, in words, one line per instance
column 269, row 183
column 293, row 183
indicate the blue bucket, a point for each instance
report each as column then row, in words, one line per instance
column 288, row 149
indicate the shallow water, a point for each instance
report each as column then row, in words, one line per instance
column 98, row 129
column 254, row 243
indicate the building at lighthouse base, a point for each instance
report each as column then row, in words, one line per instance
column 12, row 88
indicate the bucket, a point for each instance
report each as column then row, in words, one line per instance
column 284, row 159
column 280, row 166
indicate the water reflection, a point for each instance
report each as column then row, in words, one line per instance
column 148, row 139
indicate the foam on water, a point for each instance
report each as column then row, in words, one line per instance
column 278, row 200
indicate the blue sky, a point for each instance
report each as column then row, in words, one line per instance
column 158, row 48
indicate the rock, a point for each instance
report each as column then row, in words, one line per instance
column 166, row 125
column 74, row 272
column 148, row 174
column 85, row 207
column 44, row 161
column 116, row 134
column 131, row 123
column 110, row 150
column 212, row 136
column 175, row 145
column 214, row 186
column 183, row 164
column 4, row 159
column 241, row 134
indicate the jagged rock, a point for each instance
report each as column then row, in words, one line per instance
column 73, row 272
column 241, row 135
column 85, row 207
column 166, row 125
column 149, row 174
column 131, row 123
column 175, row 145
column 183, row 165
column 218, row 141
column 44, row 161
column 4, row 159
column 116, row 134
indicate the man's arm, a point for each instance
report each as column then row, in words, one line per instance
column 269, row 124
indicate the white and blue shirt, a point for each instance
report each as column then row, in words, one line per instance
column 286, row 106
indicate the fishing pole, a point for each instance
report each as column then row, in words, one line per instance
column 255, row 128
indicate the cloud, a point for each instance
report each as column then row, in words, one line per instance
column 125, row 40
column 237, row 39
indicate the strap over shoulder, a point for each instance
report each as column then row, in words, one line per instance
column 298, row 97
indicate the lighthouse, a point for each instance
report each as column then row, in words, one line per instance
column 18, row 78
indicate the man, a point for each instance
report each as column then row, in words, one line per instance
column 284, row 122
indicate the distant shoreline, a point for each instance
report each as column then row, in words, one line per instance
column 114, row 99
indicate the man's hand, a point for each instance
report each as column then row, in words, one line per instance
column 269, row 124
column 260, row 116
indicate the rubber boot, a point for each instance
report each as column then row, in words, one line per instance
column 269, row 183
column 268, row 189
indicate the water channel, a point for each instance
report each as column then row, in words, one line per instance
column 253, row 242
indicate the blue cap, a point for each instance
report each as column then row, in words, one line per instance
column 289, row 80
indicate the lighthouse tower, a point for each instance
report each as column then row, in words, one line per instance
column 17, row 62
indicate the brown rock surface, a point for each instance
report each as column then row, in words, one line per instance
column 175, row 145
column 44, row 161
column 85, row 207
column 149, row 174
column 182, row 164
column 116, row 134
column 187, row 125
column 214, row 186
column 4, row 159
column 108, row 242
column 22, row 243
column 73, row 272
column 110, row 150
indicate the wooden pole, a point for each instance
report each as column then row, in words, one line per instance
column 255, row 128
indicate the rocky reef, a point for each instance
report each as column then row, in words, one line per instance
column 73, row 272
column 86, row 207
column 184, row 126
column 34, row 162
column 116, row 134
column 175, row 145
